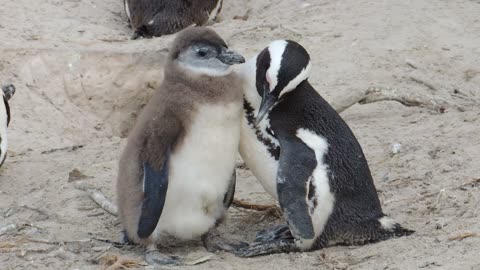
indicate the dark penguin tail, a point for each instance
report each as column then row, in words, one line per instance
column 373, row 230
column 392, row 229
column 381, row 229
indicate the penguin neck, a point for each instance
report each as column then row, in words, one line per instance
column 252, row 101
column 248, row 72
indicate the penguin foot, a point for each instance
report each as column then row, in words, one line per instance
column 214, row 243
column 276, row 232
column 268, row 247
column 155, row 258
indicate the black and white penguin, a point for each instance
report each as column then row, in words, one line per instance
column 154, row 18
column 307, row 158
column 175, row 174
column 7, row 93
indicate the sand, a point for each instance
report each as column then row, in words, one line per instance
column 81, row 82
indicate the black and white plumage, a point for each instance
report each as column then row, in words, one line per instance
column 7, row 92
column 154, row 18
column 307, row 158
column 175, row 174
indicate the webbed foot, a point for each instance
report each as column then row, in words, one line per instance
column 155, row 258
column 213, row 243
column 274, row 233
column 268, row 247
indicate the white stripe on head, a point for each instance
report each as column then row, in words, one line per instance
column 276, row 50
column 304, row 74
column 127, row 10
column 214, row 13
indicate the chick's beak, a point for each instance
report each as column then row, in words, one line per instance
column 230, row 57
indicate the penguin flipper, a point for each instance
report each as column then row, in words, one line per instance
column 155, row 183
column 296, row 165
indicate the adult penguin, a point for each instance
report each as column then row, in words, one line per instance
column 153, row 18
column 7, row 92
column 307, row 158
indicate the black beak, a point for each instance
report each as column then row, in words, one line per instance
column 267, row 102
column 8, row 91
column 230, row 57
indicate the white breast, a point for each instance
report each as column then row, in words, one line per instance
column 3, row 130
column 200, row 172
column 258, row 159
column 254, row 152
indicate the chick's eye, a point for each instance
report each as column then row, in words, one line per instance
column 202, row 53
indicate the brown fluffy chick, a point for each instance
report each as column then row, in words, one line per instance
column 175, row 174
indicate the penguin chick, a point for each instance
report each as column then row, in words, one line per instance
column 307, row 158
column 175, row 174
column 154, row 18
column 7, row 92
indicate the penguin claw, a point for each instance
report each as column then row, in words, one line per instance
column 276, row 232
column 155, row 258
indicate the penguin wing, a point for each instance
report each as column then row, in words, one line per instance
column 155, row 167
column 155, row 185
column 296, row 165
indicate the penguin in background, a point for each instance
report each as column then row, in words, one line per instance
column 305, row 156
column 7, row 93
column 175, row 174
column 154, row 18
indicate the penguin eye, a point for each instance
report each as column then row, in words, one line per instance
column 202, row 53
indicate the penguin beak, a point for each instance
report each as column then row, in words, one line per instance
column 230, row 57
column 268, row 100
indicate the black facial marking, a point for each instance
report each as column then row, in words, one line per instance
column 273, row 149
column 294, row 59
column 7, row 108
column 263, row 64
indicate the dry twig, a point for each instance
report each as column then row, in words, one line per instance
column 424, row 82
column 257, row 207
column 68, row 149
column 462, row 236
column 114, row 262
column 376, row 94
column 97, row 197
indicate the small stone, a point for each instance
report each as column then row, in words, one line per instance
column 76, row 175
column 396, row 148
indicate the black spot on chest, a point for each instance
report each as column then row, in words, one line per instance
column 272, row 149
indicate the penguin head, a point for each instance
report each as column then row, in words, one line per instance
column 7, row 92
column 281, row 67
column 202, row 51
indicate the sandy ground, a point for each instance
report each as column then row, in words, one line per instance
column 81, row 81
